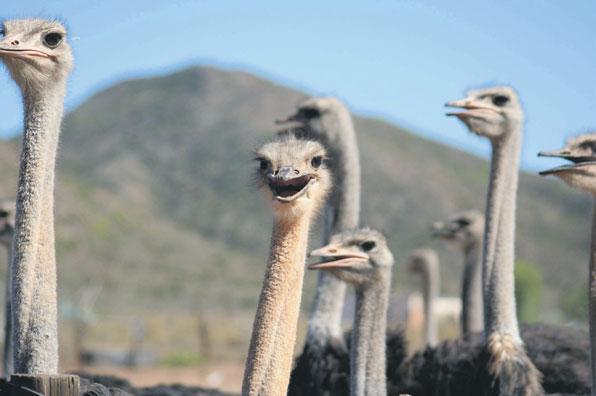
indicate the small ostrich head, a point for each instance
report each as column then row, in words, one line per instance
column 358, row 257
column 35, row 51
column 320, row 114
column 292, row 172
column 423, row 261
column 581, row 173
column 463, row 228
column 7, row 213
column 489, row 112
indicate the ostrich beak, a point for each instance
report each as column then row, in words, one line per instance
column 21, row 53
column 437, row 229
column 578, row 167
column 292, row 118
column 474, row 107
column 336, row 257
column 567, row 154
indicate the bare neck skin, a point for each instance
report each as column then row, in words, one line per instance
column 34, row 294
column 367, row 352
column 430, row 292
column 472, row 318
column 592, row 299
column 271, row 349
column 499, row 237
column 7, row 358
column 342, row 213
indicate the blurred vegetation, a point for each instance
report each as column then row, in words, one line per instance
column 181, row 359
column 528, row 291
column 575, row 304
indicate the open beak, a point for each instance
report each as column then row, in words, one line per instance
column 336, row 257
column 288, row 185
column 473, row 108
column 567, row 154
column 578, row 167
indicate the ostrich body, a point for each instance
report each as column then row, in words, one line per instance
column 39, row 60
column 293, row 175
column 6, row 238
column 362, row 259
column 425, row 262
column 495, row 113
column 581, row 174
column 319, row 365
column 465, row 229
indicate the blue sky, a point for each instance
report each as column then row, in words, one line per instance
column 399, row 60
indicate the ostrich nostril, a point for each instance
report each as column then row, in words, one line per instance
column 296, row 171
column 332, row 250
column 15, row 42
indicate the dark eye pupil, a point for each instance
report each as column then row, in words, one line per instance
column 500, row 100
column 463, row 222
column 368, row 246
column 52, row 39
column 263, row 164
column 309, row 113
column 316, row 161
column 3, row 214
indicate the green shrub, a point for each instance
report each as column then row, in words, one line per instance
column 528, row 291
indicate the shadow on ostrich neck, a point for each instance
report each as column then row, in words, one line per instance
column 293, row 176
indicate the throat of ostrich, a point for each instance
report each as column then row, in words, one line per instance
column 342, row 213
column 472, row 317
column 430, row 293
column 367, row 352
column 7, row 358
column 271, row 348
column 34, row 292
column 592, row 299
column 499, row 257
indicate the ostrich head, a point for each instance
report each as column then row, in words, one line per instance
column 7, row 212
column 423, row 261
column 489, row 112
column 357, row 257
column 581, row 173
column 462, row 228
column 292, row 172
column 35, row 51
column 320, row 114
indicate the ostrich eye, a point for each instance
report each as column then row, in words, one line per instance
column 368, row 246
column 309, row 113
column 263, row 164
column 3, row 214
column 500, row 100
column 52, row 40
column 463, row 222
column 316, row 161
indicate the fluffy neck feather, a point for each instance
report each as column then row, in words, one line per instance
column 472, row 302
column 430, row 292
column 34, row 291
column 499, row 237
column 271, row 349
column 367, row 352
column 342, row 213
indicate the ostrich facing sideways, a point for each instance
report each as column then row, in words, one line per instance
column 294, row 177
column 361, row 258
column 39, row 59
column 6, row 239
column 581, row 174
column 425, row 263
column 496, row 114
column 322, row 359
column 465, row 230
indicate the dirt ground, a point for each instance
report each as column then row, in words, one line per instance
column 223, row 376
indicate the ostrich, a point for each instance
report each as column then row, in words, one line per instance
column 425, row 263
column 581, row 174
column 465, row 229
column 496, row 114
column 362, row 258
column 39, row 59
column 294, row 177
column 320, row 363
column 6, row 237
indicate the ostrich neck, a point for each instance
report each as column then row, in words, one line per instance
column 342, row 213
column 367, row 352
column 430, row 293
column 592, row 298
column 499, row 257
column 472, row 310
column 7, row 358
column 271, row 349
column 35, row 333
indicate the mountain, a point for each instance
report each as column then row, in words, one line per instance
column 155, row 201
